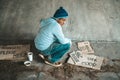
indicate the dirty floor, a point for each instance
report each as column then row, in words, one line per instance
column 110, row 70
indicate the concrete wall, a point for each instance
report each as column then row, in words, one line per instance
column 88, row 19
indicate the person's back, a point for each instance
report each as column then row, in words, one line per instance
column 45, row 35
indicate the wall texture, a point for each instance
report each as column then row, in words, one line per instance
column 88, row 19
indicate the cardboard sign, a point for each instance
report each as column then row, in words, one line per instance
column 85, row 47
column 14, row 52
column 85, row 60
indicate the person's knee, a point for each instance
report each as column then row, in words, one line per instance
column 68, row 45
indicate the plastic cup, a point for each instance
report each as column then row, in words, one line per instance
column 30, row 56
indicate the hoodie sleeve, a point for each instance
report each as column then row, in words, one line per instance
column 58, row 33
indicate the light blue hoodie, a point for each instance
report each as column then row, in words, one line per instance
column 50, row 31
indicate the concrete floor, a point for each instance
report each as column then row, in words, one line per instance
column 110, row 69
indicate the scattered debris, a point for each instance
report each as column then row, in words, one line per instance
column 85, row 60
column 84, row 47
column 82, row 58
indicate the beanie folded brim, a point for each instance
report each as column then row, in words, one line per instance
column 61, row 17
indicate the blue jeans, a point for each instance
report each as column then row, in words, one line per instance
column 56, row 51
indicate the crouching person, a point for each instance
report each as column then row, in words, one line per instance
column 50, row 39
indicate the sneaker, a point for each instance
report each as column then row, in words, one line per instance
column 42, row 56
column 57, row 64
